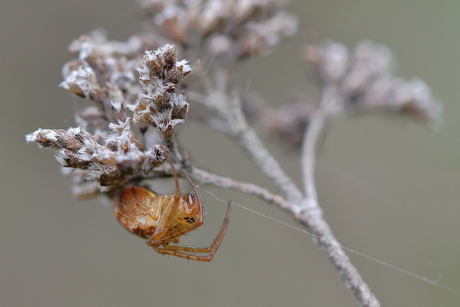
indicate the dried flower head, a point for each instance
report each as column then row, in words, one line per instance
column 106, row 73
column 119, row 77
column 364, row 80
column 109, row 161
column 232, row 29
column 159, row 105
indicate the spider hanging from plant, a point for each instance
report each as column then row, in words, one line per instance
column 162, row 218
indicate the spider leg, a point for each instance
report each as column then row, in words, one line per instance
column 179, row 251
column 153, row 214
column 168, row 215
column 127, row 217
column 160, row 235
column 164, row 239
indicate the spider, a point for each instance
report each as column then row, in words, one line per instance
column 161, row 219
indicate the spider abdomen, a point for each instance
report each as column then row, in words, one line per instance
column 138, row 210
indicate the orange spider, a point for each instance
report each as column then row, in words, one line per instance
column 161, row 219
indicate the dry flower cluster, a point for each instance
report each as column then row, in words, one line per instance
column 364, row 81
column 140, row 95
column 114, row 154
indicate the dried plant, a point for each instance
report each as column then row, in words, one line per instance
column 141, row 91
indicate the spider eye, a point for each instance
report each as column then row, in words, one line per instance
column 190, row 220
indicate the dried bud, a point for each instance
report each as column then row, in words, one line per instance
column 154, row 157
column 330, row 60
column 54, row 139
column 219, row 44
column 82, row 82
column 174, row 21
column 122, row 138
column 262, row 35
column 369, row 63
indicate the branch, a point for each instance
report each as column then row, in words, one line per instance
column 311, row 216
column 309, row 145
column 304, row 208
column 248, row 188
column 229, row 111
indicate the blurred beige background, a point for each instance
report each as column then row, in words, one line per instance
column 389, row 187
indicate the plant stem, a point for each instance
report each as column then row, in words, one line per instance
column 305, row 208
